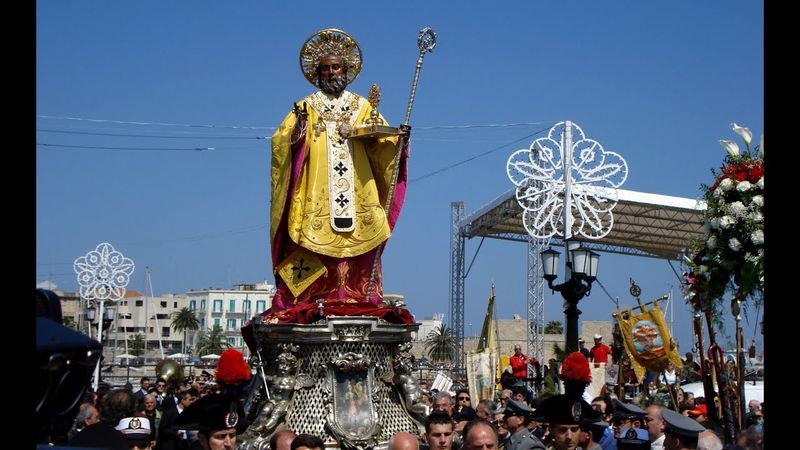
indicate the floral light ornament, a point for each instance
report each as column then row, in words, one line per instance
column 542, row 171
column 730, row 257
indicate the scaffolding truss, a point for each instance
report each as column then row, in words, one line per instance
column 456, row 319
column 649, row 225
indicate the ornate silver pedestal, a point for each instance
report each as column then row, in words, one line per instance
column 347, row 380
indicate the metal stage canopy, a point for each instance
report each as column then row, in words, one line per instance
column 651, row 225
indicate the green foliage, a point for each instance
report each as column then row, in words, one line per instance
column 554, row 327
column 212, row 341
column 441, row 344
column 136, row 345
column 184, row 320
column 559, row 353
column 70, row 322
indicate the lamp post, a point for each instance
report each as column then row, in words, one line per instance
column 581, row 271
column 570, row 174
column 102, row 275
column 108, row 315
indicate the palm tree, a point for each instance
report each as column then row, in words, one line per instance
column 212, row 341
column 441, row 344
column 554, row 327
column 69, row 322
column 136, row 345
column 184, row 320
column 558, row 353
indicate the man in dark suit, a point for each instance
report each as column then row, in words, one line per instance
column 139, row 395
column 170, row 437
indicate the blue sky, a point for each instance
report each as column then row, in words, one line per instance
column 657, row 82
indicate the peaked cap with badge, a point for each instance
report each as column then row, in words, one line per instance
column 628, row 410
column 211, row 413
column 134, row 428
column 517, row 408
column 681, row 425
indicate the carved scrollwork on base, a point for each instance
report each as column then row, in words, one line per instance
column 335, row 364
column 281, row 389
column 404, row 381
column 352, row 333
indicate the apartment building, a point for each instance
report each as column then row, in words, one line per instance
column 133, row 314
column 152, row 318
column 229, row 309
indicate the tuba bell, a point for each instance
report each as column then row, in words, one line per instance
column 170, row 371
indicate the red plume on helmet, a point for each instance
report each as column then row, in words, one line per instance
column 576, row 374
column 576, row 367
column 232, row 369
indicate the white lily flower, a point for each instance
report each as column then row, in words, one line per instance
column 731, row 147
column 744, row 133
column 761, row 147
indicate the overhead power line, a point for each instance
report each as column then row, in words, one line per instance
column 174, row 149
column 245, row 127
column 464, row 161
column 160, row 136
column 128, row 122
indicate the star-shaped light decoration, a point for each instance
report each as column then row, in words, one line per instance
column 103, row 273
column 541, row 176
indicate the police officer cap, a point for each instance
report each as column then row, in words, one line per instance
column 599, row 425
column 213, row 412
column 628, row 410
column 134, row 428
column 681, row 425
column 517, row 408
column 566, row 410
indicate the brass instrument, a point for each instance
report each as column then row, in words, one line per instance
column 171, row 371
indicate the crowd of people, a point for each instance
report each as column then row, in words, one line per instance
column 196, row 414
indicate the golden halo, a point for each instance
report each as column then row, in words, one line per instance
column 330, row 41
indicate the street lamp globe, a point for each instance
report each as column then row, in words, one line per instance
column 91, row 313
column 550, row 264
column 580, row 260
column 594, row 262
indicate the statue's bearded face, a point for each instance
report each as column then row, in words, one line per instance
column 332, row 75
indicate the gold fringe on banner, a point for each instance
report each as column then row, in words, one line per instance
column 648, row 342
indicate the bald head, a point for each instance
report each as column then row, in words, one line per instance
column 708, row 440
column 480, row 435
column 282, row 440
column 403, row 441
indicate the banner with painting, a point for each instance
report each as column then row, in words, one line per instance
column 481, row 369
column 648, row 342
